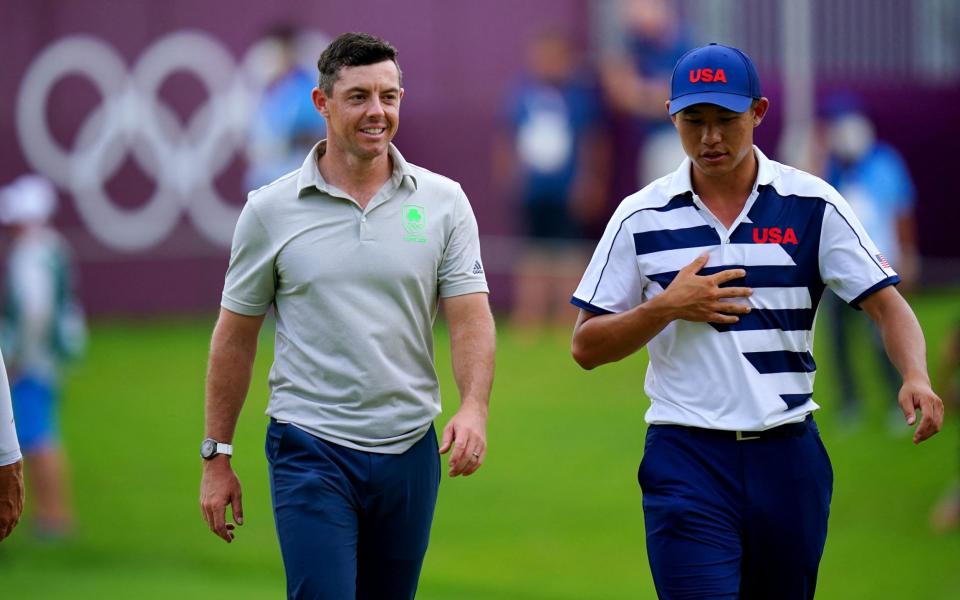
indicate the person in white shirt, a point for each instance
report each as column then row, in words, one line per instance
column 718, row 269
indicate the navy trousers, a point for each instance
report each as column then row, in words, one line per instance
column 729, row 519
column 352, row 524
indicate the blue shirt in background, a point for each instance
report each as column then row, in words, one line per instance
column 285, row 126
column 880, row 190
column 548, row 122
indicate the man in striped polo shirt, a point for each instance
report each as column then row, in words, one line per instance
column 718, row 269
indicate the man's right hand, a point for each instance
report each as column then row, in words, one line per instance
column 11, row 497
column 218, row 488
column 693, row 297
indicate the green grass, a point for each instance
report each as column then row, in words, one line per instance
column 553, row 515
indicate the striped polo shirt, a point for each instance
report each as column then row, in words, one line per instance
column 795, row 236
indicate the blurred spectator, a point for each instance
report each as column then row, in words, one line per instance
column 285, row 125
column 946, row 514
column 873, row 178
column 636, row 70
column 554, row 158
column 42, row 327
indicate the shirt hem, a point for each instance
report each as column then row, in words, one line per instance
column 589, row 307
column 892, row 280
column 243, row 309
column 398, row 447
column 464, row 289
column 10, row 457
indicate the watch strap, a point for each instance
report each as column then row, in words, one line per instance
column 224, row 449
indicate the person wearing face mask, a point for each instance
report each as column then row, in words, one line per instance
column 42, row 329
column 552, row 160
column 874, row 179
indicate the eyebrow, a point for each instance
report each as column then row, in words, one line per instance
column 357, row 88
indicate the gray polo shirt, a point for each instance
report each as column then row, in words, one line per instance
column 355, row 294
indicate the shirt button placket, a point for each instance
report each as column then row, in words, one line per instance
column 365, row 234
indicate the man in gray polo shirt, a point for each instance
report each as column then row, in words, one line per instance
column 354, row 251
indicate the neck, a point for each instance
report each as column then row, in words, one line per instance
column 726, row 195
column 359, row 177
column 730, row 188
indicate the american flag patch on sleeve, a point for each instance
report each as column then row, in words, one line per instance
column 883, row 261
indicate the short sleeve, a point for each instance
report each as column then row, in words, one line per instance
column 250, row 282
column 850, row 263
column 461, row 269
column 9, row 446
column 612, row 282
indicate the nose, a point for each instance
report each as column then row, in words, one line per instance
column 711, row 134
column 374, row 106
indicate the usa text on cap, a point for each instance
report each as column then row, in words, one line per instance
column 714, row 74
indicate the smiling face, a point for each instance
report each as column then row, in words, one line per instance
column 717, row 139
column 363, row 109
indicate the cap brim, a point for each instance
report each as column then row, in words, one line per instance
column 734, row 102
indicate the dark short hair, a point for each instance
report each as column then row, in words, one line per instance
column 352, row 50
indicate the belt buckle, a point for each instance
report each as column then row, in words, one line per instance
column 741, row 437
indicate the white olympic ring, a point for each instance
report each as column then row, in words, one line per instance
column 183, row 160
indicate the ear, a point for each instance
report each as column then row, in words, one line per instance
column 760, row 110
column 673, row 118
column 320, row 102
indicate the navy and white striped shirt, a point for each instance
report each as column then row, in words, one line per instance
column 795, row 236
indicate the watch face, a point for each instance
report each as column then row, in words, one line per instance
column 208, row 448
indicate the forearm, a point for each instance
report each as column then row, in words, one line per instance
column 904, row 343
column 232, row 352
column 11, row 484
column 906, row 347
column 602, row 339
column 902, row 336
column 10, row 474
column 472, row 349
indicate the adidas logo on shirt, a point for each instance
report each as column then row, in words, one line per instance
column 477, row 268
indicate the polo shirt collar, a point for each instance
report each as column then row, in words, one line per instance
column 681, row 182
column 310, row 176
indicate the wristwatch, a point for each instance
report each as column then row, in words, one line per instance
column 211, row 447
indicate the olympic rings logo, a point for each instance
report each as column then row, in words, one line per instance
column 131, row 120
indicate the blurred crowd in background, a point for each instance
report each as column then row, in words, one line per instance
column 580, row 124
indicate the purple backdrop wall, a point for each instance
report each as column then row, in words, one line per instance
column 458, row 59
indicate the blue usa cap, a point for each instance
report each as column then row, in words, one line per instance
column 714, row 74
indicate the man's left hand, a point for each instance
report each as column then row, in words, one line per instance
column 466, row 434
column 919, row 395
